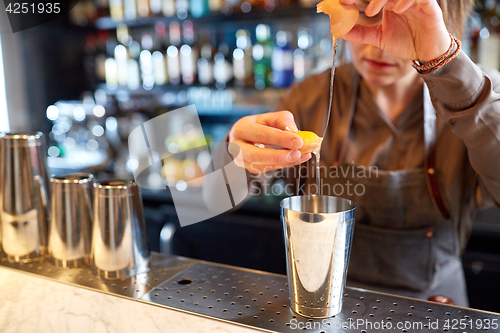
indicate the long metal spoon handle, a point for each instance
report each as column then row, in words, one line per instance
column 331, row 87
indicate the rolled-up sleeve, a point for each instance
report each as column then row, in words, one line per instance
column 465, row 96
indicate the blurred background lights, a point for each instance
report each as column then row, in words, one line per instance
column 57, row 129
column 99, row 111
column 484, row 33
column 188, row 128
column 246, row 7
column 98, row 130
column 185, row 50
column 69, row 142
column 65, row 125
column 181, row 185
column 172, row 51
column 53, row 151
column 79, row 113
column 132, row 164
column 170, row 181
column 173, row 148
column 155, row 178
column 182, row 14
column 189, row 172
column 155, row 156
column 92, row 144
column 111, row 124
column 238, row 54
column 148, row 82
column 52, row 112
column 203, row 160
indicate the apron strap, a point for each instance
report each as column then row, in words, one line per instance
column 430, row 120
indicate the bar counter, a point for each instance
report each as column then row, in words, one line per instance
column 32, row 304
column 184, row 295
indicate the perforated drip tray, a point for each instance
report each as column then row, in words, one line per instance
column 260, row 300
column 161, row 268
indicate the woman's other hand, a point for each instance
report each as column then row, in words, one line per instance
column 275, row 129
column 408, row 29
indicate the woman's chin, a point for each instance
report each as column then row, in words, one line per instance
column 379, row 80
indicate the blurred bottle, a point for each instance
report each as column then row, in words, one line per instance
column 168, row 8
column 206, row 61
column 199, row 8
column 155, row 7
column 126, row 56
column 247, row 5
column 127, row 66
column 173, row 56
column 471, row 36
column 143, row 8
column 282, row 61
column 116, row 9
column 216, row 6
column 308, row 3
column 230, row 6
column 268, row 5
column 489, row 48
column 182, row 8
column 159, row 56
column 121, row 57
column 147, row 41
column 491, row 15
column 102, row 8
column 123, row 34
column 146, row 62
column 110, row 65
column 189, row 54
column 83, row 13
column 130, row 10
column 303, row 56
column 223, row 69
column 242, row 59
column 133, row 69
column 487, row 34
column 121, row 64
column 262, row 52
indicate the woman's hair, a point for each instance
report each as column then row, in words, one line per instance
column 455, row 13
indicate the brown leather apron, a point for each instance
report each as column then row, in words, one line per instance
column 404, row 240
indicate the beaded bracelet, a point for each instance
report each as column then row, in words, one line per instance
column 441, row 61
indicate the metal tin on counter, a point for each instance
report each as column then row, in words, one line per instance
column 24, row 196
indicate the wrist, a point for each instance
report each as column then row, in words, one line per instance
column 437, row 49
column 449, row 55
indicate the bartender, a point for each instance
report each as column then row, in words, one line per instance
column 415, row 107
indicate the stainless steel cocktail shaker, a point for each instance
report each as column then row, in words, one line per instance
column 318, row 234
column 2, row 134
column 71, row 217
column 119, row 246
column 24, row 196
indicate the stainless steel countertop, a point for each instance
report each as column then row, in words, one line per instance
column 260, row 300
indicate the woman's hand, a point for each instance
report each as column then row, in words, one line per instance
column 274, row 128
column 409, row 29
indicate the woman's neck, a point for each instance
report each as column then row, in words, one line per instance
column 392, row 99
